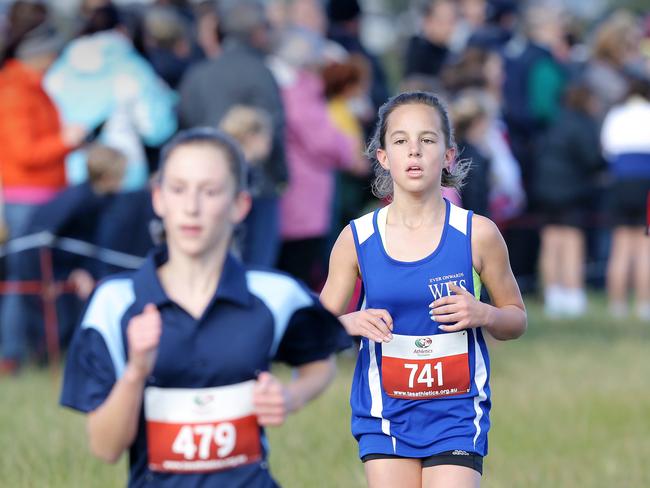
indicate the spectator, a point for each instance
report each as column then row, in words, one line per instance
column 23, row 16
column 208, row 34
column 534, row 80
column 626, row 146
column 345, row 29
column 129, row 214
column 251, row 128
column 308, row 14
column 101, row 81
column 77, row 211
column 614, row 46
column 315, row 148
column 501, row 19
column 471, row 123
column 74, row 213
column 481, row 69
column 33, row 145
column 471, row 19
column 427, row 51
column 345, row 81
column 240, row 76
column 167, row 43
column 564, row 184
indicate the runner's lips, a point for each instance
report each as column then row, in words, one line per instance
column 414, row 168
column 191, row 229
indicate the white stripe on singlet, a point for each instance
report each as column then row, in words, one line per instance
column 480, row 379
column 374, row 384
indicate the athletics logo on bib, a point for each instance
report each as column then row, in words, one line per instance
column 201, row 430
column 425, row 367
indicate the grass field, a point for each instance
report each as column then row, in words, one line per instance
column 571, row 408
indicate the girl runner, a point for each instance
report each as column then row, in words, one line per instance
column 420, row 395
column 171, row 361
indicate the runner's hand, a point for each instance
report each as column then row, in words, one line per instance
column 270, row 400
column 143, row 335
column 461, row 309
column 374, row 323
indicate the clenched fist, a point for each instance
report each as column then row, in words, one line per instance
column 143, row 335
column 270, row 400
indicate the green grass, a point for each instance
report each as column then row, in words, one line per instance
column 571, row 407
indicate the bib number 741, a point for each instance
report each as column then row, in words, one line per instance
column 224, row 435
column 425, row 367
column 425, row 376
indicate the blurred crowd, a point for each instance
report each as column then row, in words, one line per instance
column 553, row 112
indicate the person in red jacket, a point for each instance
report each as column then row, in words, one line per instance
column 33, row 145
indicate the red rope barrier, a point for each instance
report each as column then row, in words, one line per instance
column 49, row 290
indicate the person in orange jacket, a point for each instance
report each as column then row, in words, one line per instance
column 33, row 145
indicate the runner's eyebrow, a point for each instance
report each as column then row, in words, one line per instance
column 424, row 132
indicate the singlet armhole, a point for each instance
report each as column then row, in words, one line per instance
column 477, row 283
column 476, row 278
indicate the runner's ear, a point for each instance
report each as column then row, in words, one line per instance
column 242, row 206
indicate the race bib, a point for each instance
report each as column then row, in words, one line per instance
column 425, row 367
column 201, row 430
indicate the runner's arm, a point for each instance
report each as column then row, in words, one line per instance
column 108, row 436
column 113, row 426
column 342, row 275
column 310, row 380
column 273, row 401
column 374, row 324
column 506, row 317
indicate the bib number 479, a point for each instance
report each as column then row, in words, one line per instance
column 224, row 435
column 425, row 376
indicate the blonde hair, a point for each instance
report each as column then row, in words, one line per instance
column 614, row 37
column 466, row 109
column 242, row 121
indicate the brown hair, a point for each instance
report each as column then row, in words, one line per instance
column 338, row 76
column 23, row 16
column 382, row 185
column 468, row 71
column 578, row 96
column 221, row 141
column 103, row 160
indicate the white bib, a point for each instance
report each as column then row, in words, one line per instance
column 425, row 367
column 201, row 430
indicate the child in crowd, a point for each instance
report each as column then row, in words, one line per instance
column 251, row 128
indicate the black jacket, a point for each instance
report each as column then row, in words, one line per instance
column 476, row 191
column 424, row 57
column 568, row 160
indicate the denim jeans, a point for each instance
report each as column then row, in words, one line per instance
column 15, row 314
